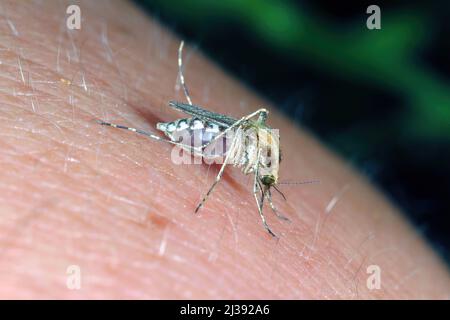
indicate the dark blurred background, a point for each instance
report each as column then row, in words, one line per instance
column 380, row 98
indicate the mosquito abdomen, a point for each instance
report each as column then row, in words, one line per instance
column 193, row 132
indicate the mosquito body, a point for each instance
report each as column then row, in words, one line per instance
column 253, row 146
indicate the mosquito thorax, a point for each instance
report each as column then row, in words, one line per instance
column 268, row 143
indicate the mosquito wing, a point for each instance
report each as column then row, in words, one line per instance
column 203, row 114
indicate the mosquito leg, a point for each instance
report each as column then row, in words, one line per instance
column 260, row 211
column 150, row 135
column 279, row 215
column 218, row 177
column 180, row 72
column 260, row 203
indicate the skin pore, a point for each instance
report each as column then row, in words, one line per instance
column 74, row 193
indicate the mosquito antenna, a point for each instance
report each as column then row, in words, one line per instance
column 278, row 190
column 299, row 182
column 180, row 71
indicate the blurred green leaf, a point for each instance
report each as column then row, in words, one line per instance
column 382, row 57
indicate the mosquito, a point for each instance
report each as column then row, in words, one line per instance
column 254, row 146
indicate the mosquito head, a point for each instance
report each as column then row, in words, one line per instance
column 268, row 180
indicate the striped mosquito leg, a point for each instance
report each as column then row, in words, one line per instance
column 180, row 72
column 148, row 134
column 279, row 215
column 219, row 175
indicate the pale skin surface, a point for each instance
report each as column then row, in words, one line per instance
column 111, row 202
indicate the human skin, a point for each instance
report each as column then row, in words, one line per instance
column 74, row 193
